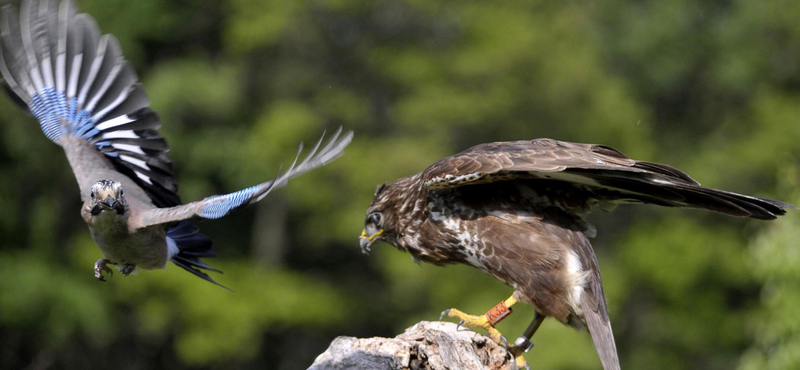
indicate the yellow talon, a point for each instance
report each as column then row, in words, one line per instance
column 521, row 363
column 487, row 322
column 474, row 321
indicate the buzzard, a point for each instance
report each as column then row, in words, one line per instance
column 515, row 210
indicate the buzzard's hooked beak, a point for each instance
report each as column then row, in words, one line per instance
column 367, row 240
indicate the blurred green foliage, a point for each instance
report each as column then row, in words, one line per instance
column 711, row 87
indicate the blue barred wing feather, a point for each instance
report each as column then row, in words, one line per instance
column 220, row 205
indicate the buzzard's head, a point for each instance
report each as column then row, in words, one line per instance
column 107, row 195
column 381, row 222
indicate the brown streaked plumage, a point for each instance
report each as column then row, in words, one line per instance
column 515, row 210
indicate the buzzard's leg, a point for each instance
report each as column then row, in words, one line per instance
column 523, row 344
column 486, row 321
column 101, row 266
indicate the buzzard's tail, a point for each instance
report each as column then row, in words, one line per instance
column 600, row 329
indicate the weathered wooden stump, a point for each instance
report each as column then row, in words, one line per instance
column 424, row 346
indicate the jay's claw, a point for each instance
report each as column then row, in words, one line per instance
column 101, row 266
column 127, row 269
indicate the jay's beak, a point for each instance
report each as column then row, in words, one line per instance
column 108, row 203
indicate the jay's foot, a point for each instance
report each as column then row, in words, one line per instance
column 101, row 266
column 127, row 269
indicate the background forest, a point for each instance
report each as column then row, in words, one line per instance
column 711, row 87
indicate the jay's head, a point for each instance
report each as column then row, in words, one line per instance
column 107, row 195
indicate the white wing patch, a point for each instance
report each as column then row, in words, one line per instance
column 144, row 178
column 119, row 100
column 577, row 280
column 172, row 248
column 116, row 121
column 122, row 134
column 126, row 134
column 134, row 161
column 129, row 147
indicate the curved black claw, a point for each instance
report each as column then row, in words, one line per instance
column 509, row 353
column 458, row 326
column 100, row 267
column 443, row 314
column 505, row 344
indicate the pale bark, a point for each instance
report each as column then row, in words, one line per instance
column 424, row 346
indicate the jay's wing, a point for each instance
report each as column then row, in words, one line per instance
column 77, row 83
column 220, row 205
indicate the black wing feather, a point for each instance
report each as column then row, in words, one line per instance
column 600, row 173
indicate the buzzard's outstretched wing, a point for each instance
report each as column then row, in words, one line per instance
column 600, row 174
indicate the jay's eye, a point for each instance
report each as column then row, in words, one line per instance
column 375, row 218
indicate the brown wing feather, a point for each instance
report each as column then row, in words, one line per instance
column 515, row 159
column 601, row 173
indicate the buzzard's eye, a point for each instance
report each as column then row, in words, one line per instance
column 375, row 218
column 92, row 195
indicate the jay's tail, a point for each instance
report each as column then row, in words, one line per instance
column 187, row 245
